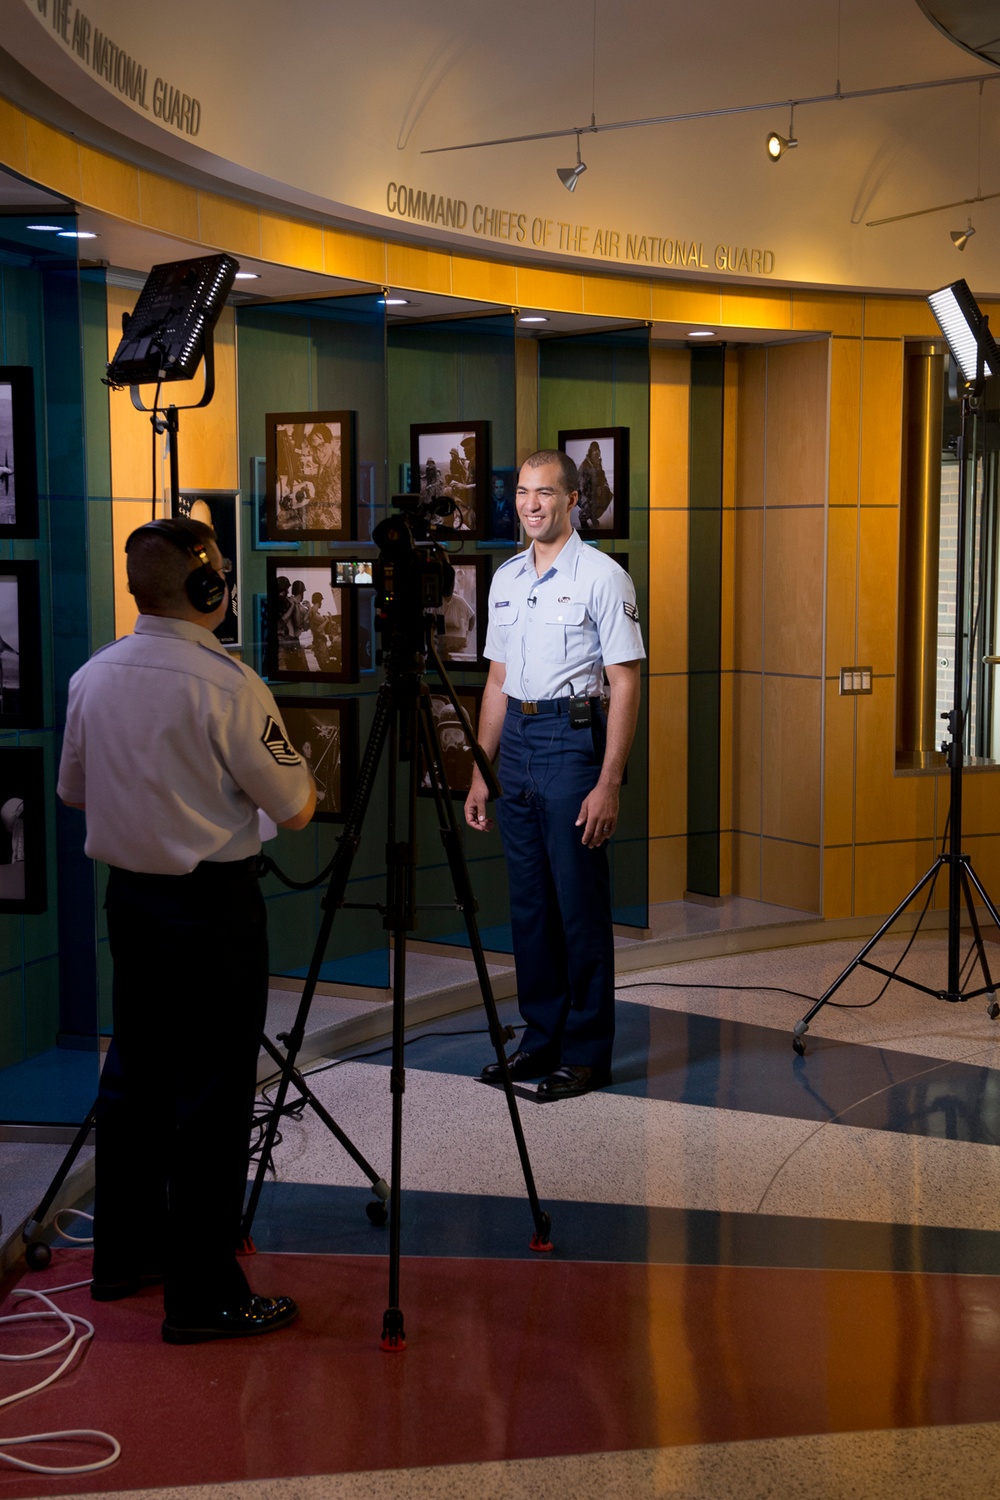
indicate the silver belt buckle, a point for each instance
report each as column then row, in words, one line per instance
column 528, row 707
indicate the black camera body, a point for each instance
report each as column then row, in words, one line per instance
column 412, row 577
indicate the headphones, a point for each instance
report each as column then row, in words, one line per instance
column 205, row 588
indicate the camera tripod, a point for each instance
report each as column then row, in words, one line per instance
column 404, row 721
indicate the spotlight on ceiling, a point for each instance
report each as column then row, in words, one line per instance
column 966, row 330
column 961, row 237
column 570, row 176
column 777, row 144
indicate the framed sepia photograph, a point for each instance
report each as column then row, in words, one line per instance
column 311, row 631
column 311, row 476
column 461, row 638
column 219, row 509
column 457, row 761
column 601, row 455
column 22, row 831
column 450, row 464
column 20, row 646
column 18, row 463
column 503, row 525
column 325, row 733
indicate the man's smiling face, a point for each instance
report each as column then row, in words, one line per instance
column 543, row 505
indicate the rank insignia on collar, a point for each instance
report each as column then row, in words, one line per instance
column 273, row 739
column 630, row 610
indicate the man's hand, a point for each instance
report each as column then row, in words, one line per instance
column 475, row 804
column 598, row 815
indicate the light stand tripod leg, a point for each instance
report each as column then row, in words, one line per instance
column 801, row 1027
column 452, row 841
column 339, row 876
column 37, row 1253
column 969, row 875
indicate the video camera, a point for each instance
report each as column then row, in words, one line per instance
column 412, row 577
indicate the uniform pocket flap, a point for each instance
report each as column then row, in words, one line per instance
column 566, row 614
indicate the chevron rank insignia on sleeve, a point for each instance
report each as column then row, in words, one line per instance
column 631, row 611
column 284, row 753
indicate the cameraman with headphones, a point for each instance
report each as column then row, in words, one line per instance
column 171, row 746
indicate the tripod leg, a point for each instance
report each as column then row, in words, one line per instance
column 969, row 875
column 339, row 876
column 801, row 1027
column 452, row 841
column 37, row 1253
column 401, row 859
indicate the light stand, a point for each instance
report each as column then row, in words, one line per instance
column 975, row 353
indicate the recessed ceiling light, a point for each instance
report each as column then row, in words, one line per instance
column 702, row 333
column 394, row 302
column 77, row 234
column 46, row 228
column 532, row 318
column 247, row 276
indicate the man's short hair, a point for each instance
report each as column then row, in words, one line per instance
column 568, row 471
column 158, row 567
column 321, row 431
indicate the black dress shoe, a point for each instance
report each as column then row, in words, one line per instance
column 568, row 1081
column 519, row 1065
column 103, row 1289
column 241, row 1321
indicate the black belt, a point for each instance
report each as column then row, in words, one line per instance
column 545, row 705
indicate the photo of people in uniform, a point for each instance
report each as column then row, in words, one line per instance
column 311, row 630
column 22, row 830
column 18, row 476
column 309, row 477
column 456, row 753
column 450, row 471
column 601, row 455
column 324, row 732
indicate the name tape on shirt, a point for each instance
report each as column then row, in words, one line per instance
column 631, row 610
column 284, row 753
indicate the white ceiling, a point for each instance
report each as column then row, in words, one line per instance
column 321, row 104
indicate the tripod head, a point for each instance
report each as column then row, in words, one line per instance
column 412, row 577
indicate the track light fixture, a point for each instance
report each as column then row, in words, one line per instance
column 570, row 176
column 961, row 237
column 777, row 144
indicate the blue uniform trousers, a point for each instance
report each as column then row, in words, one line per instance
column 560, row 891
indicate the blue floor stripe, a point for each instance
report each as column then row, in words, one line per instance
column 694, row 1059
column 301, row 1218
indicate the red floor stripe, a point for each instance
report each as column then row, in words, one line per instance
column 514, row 1359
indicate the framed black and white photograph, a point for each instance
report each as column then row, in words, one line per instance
column 311, row 633
column 358, row 571
column 503, row 525
column 18, row 462
column 22, row 831
column 457, row 762
column 601, row 455
column 462, row 639
column 450, row 465
column 261, row 542
column 20, row 646
column 219, row 509
column 325, row 733
column 311, row 476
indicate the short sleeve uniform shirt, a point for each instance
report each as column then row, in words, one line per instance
column 172, row 746
column 556, row 634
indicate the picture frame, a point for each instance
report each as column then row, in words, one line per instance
column 604, row 500
column 260, row 540
column 503, row 523
column 464, row 615
column 22, row 830
column 219, row 509
column 20, row 646
column 312, row 629
column 311, row 476
column 325, row 733
column 457, row 761
column 450, row 461
column 18, row 457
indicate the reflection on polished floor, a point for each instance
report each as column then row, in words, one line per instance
column 773, row 1276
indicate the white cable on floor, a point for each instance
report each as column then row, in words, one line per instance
column 72, row 1213
column 71, row 1322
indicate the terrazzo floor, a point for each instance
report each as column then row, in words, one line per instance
column 773, row 1276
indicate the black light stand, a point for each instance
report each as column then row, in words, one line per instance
column 404, row 720
column 976, row 355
